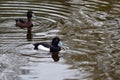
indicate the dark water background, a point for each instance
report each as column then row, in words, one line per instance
column 89, row 28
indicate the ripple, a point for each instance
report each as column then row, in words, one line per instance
column 17, row 8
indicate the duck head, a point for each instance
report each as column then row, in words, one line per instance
column 56, row 41
column 30, row 14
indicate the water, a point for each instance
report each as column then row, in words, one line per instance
column 89, row 29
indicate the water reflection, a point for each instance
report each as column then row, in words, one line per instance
column 90, row 28
column 55, row 56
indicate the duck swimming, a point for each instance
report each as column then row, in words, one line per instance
column 54, row 47
column 24, row 23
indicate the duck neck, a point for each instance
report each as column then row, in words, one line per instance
column 55, row 45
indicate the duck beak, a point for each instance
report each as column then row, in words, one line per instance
column 60, row 44
column 33, row 15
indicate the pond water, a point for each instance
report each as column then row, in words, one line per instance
column 90, row 30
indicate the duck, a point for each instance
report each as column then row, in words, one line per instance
column 53, row 48
column 24, row 23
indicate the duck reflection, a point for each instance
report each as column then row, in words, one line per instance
column 55, row 56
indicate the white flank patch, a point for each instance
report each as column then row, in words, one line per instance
column 43, row 48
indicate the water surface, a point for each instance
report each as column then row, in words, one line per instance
column 89, row 29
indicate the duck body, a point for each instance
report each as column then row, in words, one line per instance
column 42, row 46
column 46, row 47
column 53, row 47
column 24, row 23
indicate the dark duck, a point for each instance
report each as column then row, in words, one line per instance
column 53, row 48
column 24, row 23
